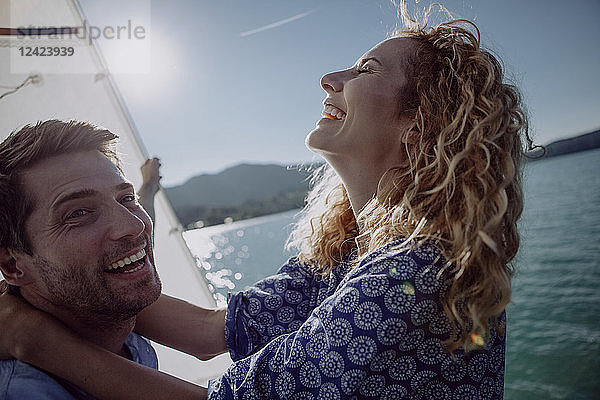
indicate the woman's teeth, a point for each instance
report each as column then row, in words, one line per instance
column 334, row 113
column 128, row 260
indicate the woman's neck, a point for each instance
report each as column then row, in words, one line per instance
column 360, row 183
column 361, row 187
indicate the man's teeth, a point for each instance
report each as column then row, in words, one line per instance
column 128, row 260
column 331, row 111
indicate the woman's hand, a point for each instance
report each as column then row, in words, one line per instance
column 19, row 321
column 150, row 184
column 151, row 174
column 6, row 308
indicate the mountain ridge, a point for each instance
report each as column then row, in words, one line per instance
column 239, row 192
column 575, row 144
column 251, row 190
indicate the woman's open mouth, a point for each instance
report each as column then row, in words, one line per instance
column 331, row 112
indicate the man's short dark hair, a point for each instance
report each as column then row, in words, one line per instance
column 29, row 145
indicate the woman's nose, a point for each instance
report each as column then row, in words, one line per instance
column 333, row 82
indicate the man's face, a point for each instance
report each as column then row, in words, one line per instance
column 91, row 240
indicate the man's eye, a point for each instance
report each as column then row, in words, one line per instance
column 130, row 198
column 78, row 213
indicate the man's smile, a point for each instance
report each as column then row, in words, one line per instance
column 129, row 264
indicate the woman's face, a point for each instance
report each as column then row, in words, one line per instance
column 362, row 119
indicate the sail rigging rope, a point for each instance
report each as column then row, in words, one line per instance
column 29, row 80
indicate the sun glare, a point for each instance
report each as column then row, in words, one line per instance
column 147, row 69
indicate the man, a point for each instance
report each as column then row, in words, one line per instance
column 74, row 242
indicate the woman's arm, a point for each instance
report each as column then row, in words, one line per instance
column 183, row 326
column 36, row 338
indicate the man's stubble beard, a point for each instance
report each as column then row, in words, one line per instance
column 89, row 297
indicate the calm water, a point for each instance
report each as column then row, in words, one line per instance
column 554, row 319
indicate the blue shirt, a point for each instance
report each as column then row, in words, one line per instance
column 374, row 331
column 19, row 381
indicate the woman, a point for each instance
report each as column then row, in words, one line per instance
column 403, row 274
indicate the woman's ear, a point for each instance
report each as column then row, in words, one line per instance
column 410, row 137
column 11, row 268
column 409, row 133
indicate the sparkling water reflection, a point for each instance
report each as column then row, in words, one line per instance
column 233, row 256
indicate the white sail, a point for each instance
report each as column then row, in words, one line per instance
column 92, row 96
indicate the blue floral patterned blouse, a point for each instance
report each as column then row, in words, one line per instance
column 370, row 332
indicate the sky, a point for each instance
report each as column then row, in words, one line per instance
column 229, row 82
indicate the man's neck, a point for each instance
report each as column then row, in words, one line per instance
column 109, row 336
column 104, row 331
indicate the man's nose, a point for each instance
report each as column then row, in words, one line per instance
column 124, row 223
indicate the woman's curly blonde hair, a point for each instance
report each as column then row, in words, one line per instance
column 460, row 188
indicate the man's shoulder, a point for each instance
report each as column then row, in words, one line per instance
column 19, row 380
column 141, row 350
